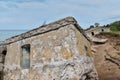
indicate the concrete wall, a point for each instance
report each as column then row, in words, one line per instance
column 2, row 59
column 62, row 54
column 96, row 31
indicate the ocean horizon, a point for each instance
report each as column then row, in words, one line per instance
column 4, row 34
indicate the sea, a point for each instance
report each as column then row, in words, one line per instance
column 5, row 34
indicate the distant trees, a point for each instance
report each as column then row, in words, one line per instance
column 91, row 26
column 115, row 26
column 96, row 24
column 107, row 25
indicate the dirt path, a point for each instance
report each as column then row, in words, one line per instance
column 107, row 57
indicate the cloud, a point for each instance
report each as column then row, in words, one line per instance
column 32, row 13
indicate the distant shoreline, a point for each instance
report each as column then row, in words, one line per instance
column 4, row 34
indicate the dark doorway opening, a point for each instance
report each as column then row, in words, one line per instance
column 102, row 30
column 3, row 54
column 92, row 33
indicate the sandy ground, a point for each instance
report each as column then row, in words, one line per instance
column 107, row 57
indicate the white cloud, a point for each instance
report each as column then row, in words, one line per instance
column 29, row 13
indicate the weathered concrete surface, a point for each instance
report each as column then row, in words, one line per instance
column 45, row 28
column 94, row 31
column 60, row 54
column 98, row 40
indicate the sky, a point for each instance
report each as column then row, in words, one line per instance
column 30, row 14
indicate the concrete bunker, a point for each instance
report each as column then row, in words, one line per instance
column 43, row 53
column 93, row 31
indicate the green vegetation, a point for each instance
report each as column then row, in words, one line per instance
column 115, row 32
column 115, row 27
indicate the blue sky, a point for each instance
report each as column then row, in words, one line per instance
column 29, row 14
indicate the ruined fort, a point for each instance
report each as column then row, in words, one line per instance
column 96, row 30
column 56, row 51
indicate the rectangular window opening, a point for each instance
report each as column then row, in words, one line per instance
column 25, row 56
